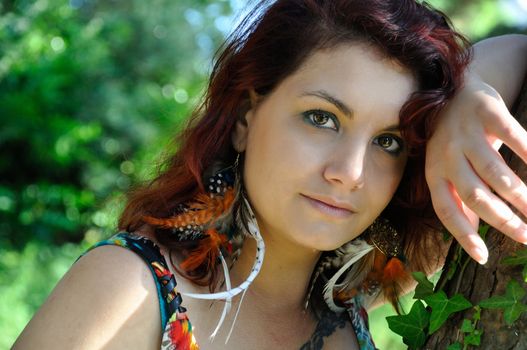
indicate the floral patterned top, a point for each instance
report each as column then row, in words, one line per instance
column 177, row 329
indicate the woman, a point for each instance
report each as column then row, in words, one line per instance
column 311, row 141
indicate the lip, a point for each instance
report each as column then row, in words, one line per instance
column 330, row 206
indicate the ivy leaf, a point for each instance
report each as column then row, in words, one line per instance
column 474, row 338
column 473, row 335
column 412, row 327
column 424, row 286
column 510, row 303
column 455, row 346
column 517, row 258
column 467, row 326
column 442, row 307
column 483, row 229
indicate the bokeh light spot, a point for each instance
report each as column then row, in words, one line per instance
column 57, row 44
column 127, row 167
column 181, row 95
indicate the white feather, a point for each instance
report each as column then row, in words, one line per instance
column 235, row 317
column 359, row 249
column 254, row 232
column 229, row 293
column 228, row 301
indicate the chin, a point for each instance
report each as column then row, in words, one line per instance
column 330, row 237
column 326, row 243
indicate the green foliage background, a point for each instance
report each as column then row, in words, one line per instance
column 91, row 93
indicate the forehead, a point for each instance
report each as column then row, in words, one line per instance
column 357, row 74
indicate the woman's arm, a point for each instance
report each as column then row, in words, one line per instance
column 107, row 300
column 501, row 62
column 466, row 175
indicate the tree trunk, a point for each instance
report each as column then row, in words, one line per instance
column 478, row 282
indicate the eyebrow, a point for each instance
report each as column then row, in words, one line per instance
column 331, row 99
column 394, row 127
column 342, row 106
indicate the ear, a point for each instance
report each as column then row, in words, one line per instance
column 241, row 131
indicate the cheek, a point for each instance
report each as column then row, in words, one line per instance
column 268, row 160
column 280, row 163
column 277, row 149
column 385, row 178
column 263, row 160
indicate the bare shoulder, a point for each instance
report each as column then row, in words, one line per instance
column 108, row 299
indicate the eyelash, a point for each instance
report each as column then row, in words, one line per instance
column 310, row 115
column 398, row 140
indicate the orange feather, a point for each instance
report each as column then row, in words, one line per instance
column 394, row 271
column 202, row 211
column 207, row 251
column 386, row 273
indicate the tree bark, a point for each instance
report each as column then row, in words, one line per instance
column 478, row 282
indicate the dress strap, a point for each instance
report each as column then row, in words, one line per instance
column 359, row 321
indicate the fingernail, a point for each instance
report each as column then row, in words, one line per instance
column 524, row 238
column 482, row 255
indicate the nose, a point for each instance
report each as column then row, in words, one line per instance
column 346, row 167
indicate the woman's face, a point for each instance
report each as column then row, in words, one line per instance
column 323, row 153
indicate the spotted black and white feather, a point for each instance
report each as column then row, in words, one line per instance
column 346, row 256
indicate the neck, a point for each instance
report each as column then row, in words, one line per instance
column 284, row 278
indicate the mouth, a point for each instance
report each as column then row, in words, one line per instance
column 330, row 207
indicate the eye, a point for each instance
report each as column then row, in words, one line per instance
column 390, row 143
column 322, row 119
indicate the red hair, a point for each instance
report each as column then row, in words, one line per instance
column 269, row 45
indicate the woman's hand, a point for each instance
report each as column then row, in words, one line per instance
column 467, row 176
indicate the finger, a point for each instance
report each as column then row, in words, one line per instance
column 472, row 217
column 506, row 128
column 449, row 209
column 492, row 169
column 435, row 173
column 477, row 196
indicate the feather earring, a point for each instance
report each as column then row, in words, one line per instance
column 245, row 221
column 369, row 264
column 209, row 220
column 252, row 231
column 389, row 267
column 349, row 253
column 201, row 221
column 340, row 257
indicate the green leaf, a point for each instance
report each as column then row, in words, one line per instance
column 473, row 339
column 467, row 326
column 511, row 302
column 512, row 313
column 455, row 346
column 424, row 286
column 517, row 258
column 442, row 307
column 515, row 290
column 524, row 273
column 497, row 302
column 472, row 335
column 483, row 229
column 412, row 327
